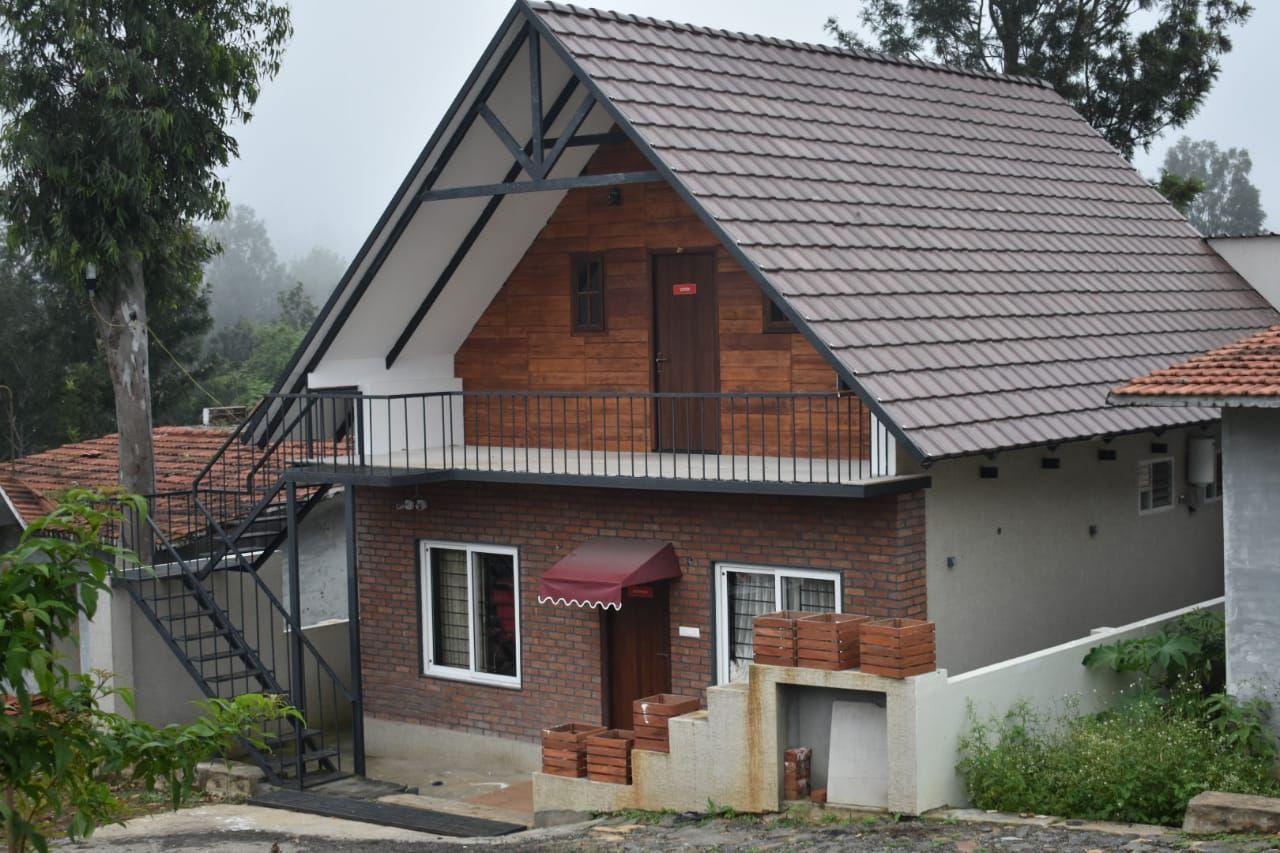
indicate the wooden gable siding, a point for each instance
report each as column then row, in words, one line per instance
column 524, row 341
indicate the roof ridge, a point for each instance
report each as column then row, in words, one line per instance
column 755, row 38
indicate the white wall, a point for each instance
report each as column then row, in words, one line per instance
column 1251, row 469
column 1257, row 259
column 1027, row 571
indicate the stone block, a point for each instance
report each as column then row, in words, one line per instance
column 229, row 778
column 1214, row 811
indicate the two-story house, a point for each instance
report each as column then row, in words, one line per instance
column 668, row 327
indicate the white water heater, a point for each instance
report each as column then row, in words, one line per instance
column 1201, row 458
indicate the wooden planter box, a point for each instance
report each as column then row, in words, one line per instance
column 775, row 638
column 829, row 640
column 898, row 648
column 564, row 749
column 651, row 715
column 609, row 756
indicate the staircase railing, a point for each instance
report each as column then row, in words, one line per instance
column 233, row 635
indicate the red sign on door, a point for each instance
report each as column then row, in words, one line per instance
column 686, row 289
column 639, row 592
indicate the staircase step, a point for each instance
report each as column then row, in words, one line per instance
column 277, row 741
column 190, row 593
column 313, row 779
column 207, row 635
column 186, row 614
column 232, row 676
column 230, row 653
column 281, row 763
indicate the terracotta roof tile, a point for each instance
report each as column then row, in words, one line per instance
column 1247, row 368
column 33, row 483
column 965, row 244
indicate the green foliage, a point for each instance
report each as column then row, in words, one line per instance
column 59, row 750
column 1131, row 84
column 1180, row 191
column 251, row 358
column 1140, row 763
column 116, row 116
column 61, row 388
column 1228, row 202
column 1177, row 735
column 1189, row 652
column 245, row 274
column 113, row 135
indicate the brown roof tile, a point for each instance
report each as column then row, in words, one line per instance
column 964, row 243
column 33, row 483
column 1238, row 372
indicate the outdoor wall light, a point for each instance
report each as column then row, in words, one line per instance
column 615, row 196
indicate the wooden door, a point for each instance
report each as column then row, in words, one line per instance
column 637, row 651
column 686, row 357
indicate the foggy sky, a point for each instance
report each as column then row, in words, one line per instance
column 364, row 84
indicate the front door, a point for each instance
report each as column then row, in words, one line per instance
column 637, row 651
column 685, row 352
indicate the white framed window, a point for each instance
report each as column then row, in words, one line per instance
column 471, row 612
column 1213, row 491
column 744, row 592
column 1155, row 485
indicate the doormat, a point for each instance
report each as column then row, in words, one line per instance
column 384, row 814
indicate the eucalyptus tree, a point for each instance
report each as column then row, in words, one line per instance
column 115, row 117
column 1228, row 202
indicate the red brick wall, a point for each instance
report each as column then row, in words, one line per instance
column 877, row 543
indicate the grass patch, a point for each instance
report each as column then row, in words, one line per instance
column 1140, row 763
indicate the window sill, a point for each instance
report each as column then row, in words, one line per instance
column 506, row 682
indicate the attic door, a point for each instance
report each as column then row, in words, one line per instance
column 685, row 352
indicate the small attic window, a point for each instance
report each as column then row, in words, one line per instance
column 774, row 318
column 1155, row 485
column 587, row 292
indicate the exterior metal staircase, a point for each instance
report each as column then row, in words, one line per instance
column 232, row 633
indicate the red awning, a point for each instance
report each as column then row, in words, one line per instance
column 595, row 574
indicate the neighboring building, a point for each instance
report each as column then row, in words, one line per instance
column 1243, row 378
column 1257, row 258
column 668, row 327
column 119, row 640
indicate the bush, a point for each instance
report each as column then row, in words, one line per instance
column 1140, row 763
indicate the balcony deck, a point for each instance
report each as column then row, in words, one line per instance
column 627, row 469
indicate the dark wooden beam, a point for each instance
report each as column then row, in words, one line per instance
column 535, row 95
column 612, row 179
column 584, row 139
column 575, row 122
column 509, row 142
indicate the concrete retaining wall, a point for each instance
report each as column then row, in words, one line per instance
column 731, row 753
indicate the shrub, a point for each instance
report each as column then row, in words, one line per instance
column 1140, row 763
column 1189, row 651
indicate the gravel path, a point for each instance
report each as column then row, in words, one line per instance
column 828, row 832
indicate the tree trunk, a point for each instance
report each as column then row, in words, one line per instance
column 121, row 315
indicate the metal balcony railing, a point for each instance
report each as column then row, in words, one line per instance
column 795, row 439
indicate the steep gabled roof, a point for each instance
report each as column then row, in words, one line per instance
column 33, row 483
column 1243, row 373
column 963, row 247
column 965, row 244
